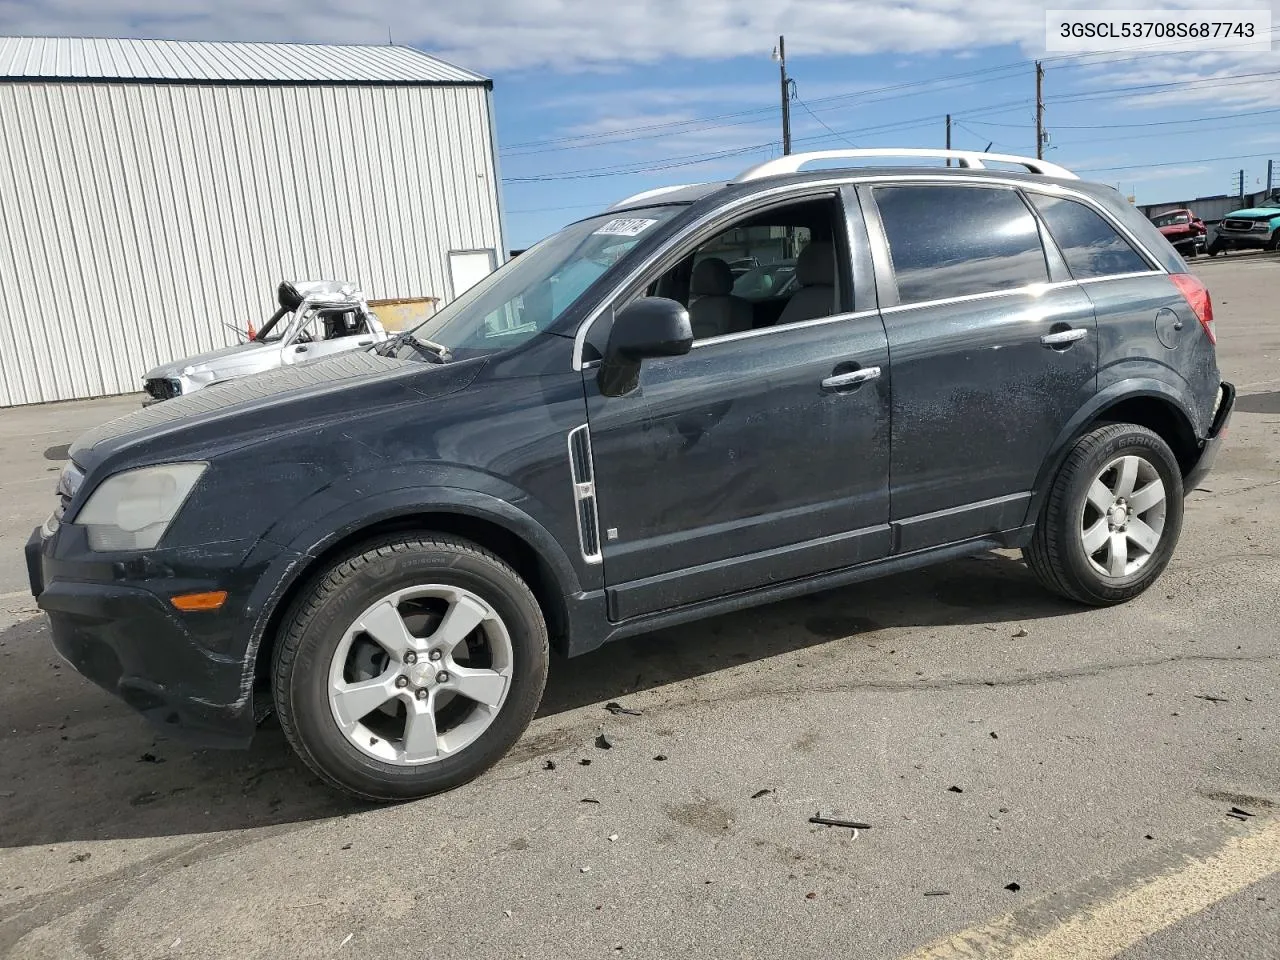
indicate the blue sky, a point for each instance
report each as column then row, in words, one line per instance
column 597, row 100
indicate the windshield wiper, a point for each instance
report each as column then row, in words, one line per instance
column 435, row 352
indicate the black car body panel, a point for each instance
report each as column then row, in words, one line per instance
column 886, row 431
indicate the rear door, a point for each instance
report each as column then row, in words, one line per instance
column 993, row 346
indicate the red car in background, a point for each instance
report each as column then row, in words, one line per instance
column 1183, row 229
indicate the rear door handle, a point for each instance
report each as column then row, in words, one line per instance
column 1064, row 337
column 851, row 379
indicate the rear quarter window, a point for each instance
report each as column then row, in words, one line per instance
column 1089, row 244
column 957, row 241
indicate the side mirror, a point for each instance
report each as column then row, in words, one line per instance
column 649, row 327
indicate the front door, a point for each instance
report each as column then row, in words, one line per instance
column 992, row 355
column 762, row 455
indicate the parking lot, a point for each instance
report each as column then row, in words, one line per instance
column 1040, row 780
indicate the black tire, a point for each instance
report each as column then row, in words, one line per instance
column 1214, row 249
column 1056, row 554
column 314, row 627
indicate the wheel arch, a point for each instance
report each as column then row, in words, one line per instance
column 1147, row 403
column 514, row 537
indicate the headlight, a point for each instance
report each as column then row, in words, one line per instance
column 132, row 510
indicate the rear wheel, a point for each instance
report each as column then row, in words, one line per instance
column 410, row 667
column 1112, row 518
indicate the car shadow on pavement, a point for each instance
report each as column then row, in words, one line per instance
column 986, row 589
column 78, row 765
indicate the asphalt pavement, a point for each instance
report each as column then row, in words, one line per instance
column 1040, row 780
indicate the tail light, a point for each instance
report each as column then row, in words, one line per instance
column 1197, row 297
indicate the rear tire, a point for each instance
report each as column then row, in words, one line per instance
column 409, row 667
column 1111, row 520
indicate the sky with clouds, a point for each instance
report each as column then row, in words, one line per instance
column 599, row 99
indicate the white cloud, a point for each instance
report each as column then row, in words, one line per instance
column 573, row 34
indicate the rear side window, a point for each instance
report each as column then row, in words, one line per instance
column 1091, row 246
column 958, row 241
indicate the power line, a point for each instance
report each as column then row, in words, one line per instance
column 824, row 123
column 1175, row 163
column 1136, row 123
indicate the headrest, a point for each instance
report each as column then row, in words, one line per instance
column 711, row 278
column 816, row 266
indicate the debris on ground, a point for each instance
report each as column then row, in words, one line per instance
column 176, row 943
column 955, row 789
column 811, row 895
column 603, row 742
column 1242, row 813
column 1211, row 698
column 149, row 758
column 585, row 869
column 507, row 914
column 588, row 800
column 613, row 837
column 761, row 793
column 834, row 822
column 937, row 893
column 584, row 762
column 1020, row 634
column 661, row 756
column 617, row 708
column 994, row 736
column 549, row 765
column 346, row 940
column 80, row 858
column 346, row 846
column 1148, row 837
column 1013, row 887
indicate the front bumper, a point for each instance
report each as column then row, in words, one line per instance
column 111, row 619
column 1212, row 443
column 1242, row 240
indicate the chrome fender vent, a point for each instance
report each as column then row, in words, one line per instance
column 584, row 493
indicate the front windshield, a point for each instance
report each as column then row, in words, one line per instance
column 1168, row 220
column 525, row 296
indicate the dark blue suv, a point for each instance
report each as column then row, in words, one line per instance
column 602, row 438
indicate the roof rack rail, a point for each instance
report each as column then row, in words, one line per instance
column 650, row 194
column 972, row 159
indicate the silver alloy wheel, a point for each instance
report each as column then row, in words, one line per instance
column 1122, row 520
column 420, row 674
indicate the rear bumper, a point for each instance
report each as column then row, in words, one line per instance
column 1212, row 443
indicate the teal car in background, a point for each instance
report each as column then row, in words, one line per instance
column 1253, row 228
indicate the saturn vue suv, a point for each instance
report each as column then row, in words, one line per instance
column 601, row 439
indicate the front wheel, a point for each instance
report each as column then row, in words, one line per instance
column 410, row 667
column 1215, row 249
column 1111, row 519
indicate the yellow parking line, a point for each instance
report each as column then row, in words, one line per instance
column 1103, row 927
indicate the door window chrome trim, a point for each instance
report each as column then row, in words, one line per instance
column 786, row 191
column 1124, row 276
column 1030, row 289
column 798, row 325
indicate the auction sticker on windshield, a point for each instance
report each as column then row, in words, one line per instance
column 625, row 228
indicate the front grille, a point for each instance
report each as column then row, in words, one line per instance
column 1237, row 224
column 584, row 493
column 160, row 388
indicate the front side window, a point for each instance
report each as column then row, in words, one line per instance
column 958, row 241
column 1090, row 245
column 526, row 295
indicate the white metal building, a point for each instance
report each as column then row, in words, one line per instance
column 153, row 192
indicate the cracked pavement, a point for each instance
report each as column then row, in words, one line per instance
column 1091, row 749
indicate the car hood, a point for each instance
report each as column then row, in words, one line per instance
column 1255, row 212
column 1176, row 228
column 228, row 358
column 288, row 398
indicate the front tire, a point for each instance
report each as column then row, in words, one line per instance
column 409, row 667
column 1112, row 518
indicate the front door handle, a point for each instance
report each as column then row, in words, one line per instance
column 1064, row 338
column 846, row 381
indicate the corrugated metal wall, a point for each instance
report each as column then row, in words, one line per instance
column 135, row 219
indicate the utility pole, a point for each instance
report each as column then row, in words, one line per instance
column 948, row 137
column 1241, row 184
column 780, row 54
column 1039, row 111
column 1271, row 169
